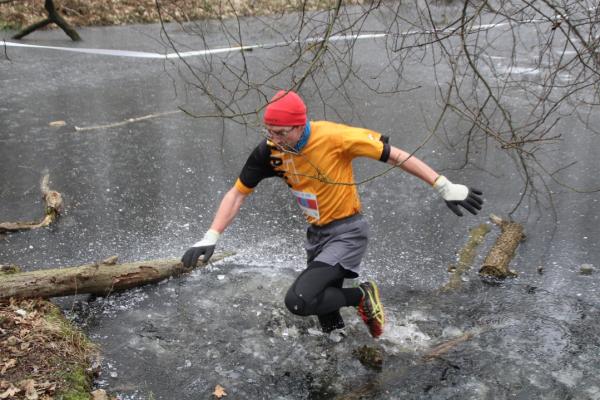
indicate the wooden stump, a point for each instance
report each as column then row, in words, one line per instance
column 503, row 250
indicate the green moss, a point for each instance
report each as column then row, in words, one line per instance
column 78, row 385
column 8, row 269
column 55, row 317
column 78, row 382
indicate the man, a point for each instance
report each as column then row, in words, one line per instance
column 315, row 160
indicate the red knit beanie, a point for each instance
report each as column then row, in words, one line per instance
column 285, row 109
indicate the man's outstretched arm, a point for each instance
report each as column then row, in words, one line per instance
column 412, row 165
column 228, row 209
column 455, row 195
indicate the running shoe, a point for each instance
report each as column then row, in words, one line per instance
column 370, row 308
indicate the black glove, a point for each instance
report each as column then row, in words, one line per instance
column 205, row 247
column 472, row 203
column 459, row 195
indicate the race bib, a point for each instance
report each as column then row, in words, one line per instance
column 308, row 203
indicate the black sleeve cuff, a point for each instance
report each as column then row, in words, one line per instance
column 385, row 154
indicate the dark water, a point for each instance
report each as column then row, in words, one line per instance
column 148, row 190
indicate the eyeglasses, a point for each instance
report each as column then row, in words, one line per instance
column 281, row 133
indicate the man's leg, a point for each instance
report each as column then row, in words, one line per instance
column 333, row 320
column 343, row 243
column 317, row 291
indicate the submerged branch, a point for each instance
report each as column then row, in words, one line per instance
column 466, row 256
column 53, row 205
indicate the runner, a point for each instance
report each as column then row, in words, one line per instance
column 314, row 158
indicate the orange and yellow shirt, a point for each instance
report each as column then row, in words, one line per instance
column 320, row 176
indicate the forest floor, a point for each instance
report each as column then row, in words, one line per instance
column 17, row 14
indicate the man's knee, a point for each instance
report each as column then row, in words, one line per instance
column 295, row 303
column 305, row 294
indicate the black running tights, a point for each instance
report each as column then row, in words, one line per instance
column 318, row 291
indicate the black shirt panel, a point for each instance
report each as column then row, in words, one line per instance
column 258, row 166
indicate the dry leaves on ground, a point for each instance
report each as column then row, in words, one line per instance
column 22, row 13
column 36, row 349
column 219, row 392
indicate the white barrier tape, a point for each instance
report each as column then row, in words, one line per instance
column 127, row 53
column 120, row 53
column 335, row 38
column 186, row 54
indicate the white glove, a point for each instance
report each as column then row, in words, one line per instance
column 205, row 247
column 458, row 195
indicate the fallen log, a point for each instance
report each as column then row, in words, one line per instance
column 502, row 252
column 445, row 347
column 466, row 256
column 101, row 278
column 53, row 205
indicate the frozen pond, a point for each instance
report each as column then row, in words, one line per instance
column 148, row 190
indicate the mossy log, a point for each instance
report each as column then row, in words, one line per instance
column 502, row 252
column 53, row 204
column 98, row 278
column 466, row 256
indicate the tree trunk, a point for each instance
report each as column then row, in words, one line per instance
column 502, row 252
column 98, row 278
column 31, row 28
column 53, row 16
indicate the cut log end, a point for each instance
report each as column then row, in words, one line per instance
column 497, row 271
column 53, row 201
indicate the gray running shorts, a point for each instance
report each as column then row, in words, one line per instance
column 341, row 242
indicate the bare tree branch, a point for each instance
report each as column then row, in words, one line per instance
column 506, row 73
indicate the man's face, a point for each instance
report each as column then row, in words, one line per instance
column 284, row 136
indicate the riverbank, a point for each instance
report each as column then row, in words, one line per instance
column 43, row 356
column 19, row 14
